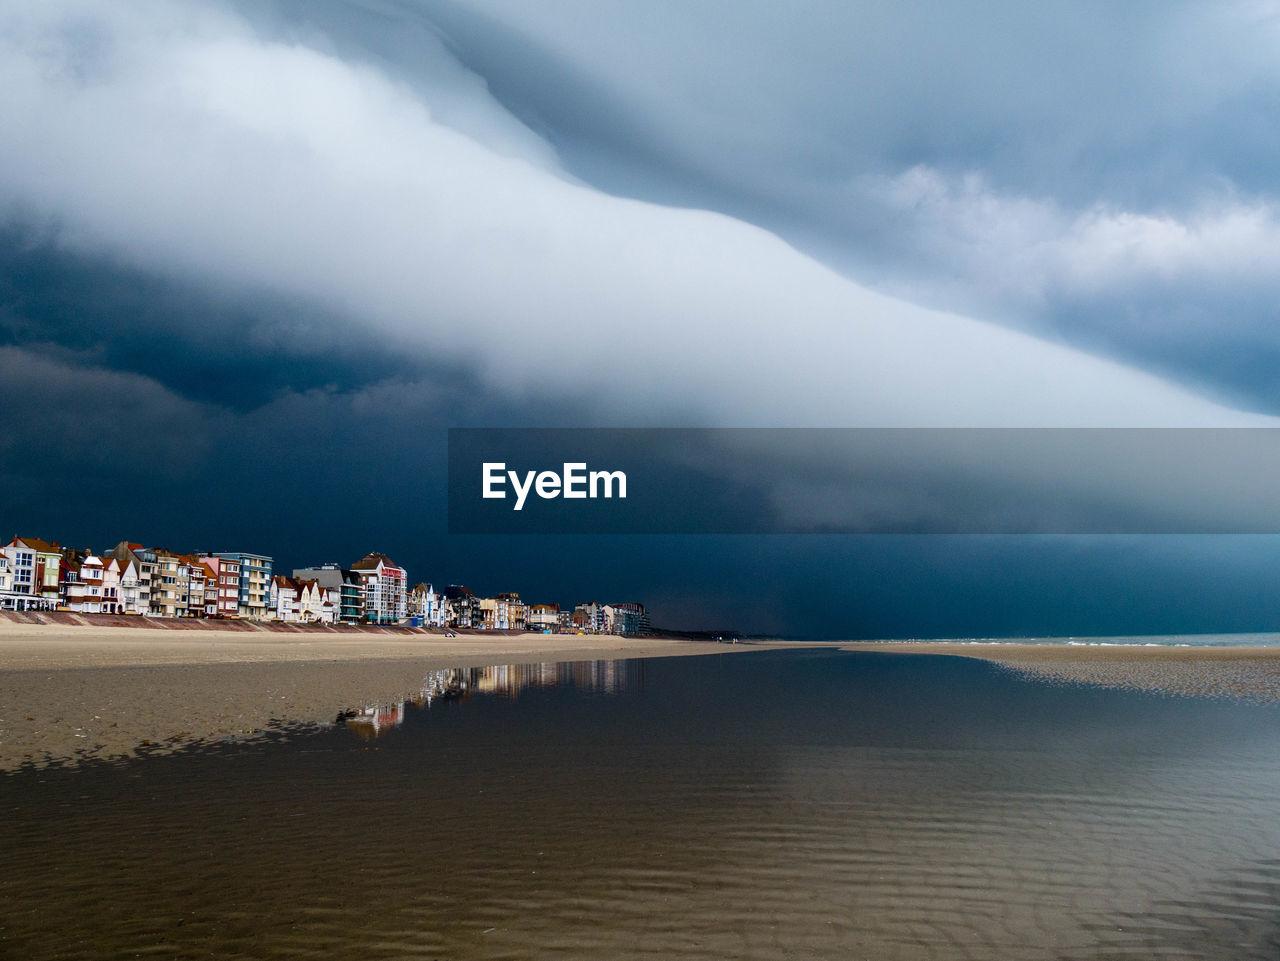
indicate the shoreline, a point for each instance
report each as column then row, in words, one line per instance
column 85, row 693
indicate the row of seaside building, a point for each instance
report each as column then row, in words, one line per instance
column 152, row 581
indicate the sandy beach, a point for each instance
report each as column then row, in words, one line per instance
column 70, row 694
column 1247, row 673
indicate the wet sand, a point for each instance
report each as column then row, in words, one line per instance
column 74, row 693
column 69, row 694
column 1245, row 673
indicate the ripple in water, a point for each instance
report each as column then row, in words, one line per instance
column 765, row 805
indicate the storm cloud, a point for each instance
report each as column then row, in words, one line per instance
column 177, row 139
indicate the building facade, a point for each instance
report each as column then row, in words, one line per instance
column 543, row 618
column 502, row 613
column 35, row 574
column 591, row 618
column 346, row 583
column 254, row 594
column 170, row 584
column 462, row 607
column 630, row 618
column 384, row 587
column 135, row 582
column 88, row 586
column 225, row 573
column 424, row 605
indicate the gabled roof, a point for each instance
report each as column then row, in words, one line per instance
column 457, row 591
column 120, row 562
column 36, row 544
column 123, row 552
column 370, row 562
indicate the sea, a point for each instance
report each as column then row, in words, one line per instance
column 760, row 804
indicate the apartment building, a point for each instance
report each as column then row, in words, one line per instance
column 225, row 583
column 254, row 595
column 385, row 588
column 630, row 617
column 169, row 587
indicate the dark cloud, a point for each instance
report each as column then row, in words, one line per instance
column 234, row 348
column 73, row 422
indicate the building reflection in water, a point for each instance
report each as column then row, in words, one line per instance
column 501, row 680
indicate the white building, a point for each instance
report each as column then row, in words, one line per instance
column 385, row 589
column 133, row 589
column 285, row 600
column 423, row 602
column 317, row 604
column 84, row 585
column 297, row 601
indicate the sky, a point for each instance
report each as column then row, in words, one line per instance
column 257, row 257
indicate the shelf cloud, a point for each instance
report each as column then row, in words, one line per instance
column 181, row 140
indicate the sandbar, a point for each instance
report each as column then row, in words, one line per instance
column 1241, row 673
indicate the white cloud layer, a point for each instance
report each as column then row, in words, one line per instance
column 1030, row 249
column 177, row 139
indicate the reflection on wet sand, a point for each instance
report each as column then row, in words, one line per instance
column 501, row 680
column 806, row 804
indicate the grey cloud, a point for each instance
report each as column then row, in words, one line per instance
column 207, row 151
column 1079, row 124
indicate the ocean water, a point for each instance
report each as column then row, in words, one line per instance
column 762, row 805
